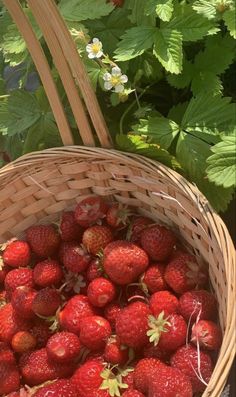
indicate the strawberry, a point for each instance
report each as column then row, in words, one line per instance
column 100, row 292
column 100, row 393
column 164, row 301
column 94, row 270
column 200, row 305
column 22, row 300
column 70, row 230
column 151, row 351
column 59, row 388
column 76, row 308
column 183, row 273
column 117, row 216
column 10, row 323
column 63, row 347
column 41, row 332
column 196, row 365
column 158, row 242
column 143, row 372
column 132, row 324
column 207, row 334
column 44, row 240
column 169, row 333
column 36, row 368
column 170, row 382
column 132, row 393
column 47, row 273
column 153, row 278
column 90, row 210
column 114, row 352
column 23, row 341
column 9, row 374
column 17, row 254
column 135, row 230
column 94, row 332
column 128, row 379
column 87, row 378
column 76, row 259
column 124, row 261
column 17, row 278
column 46, row 302
column 95, row 238
column 111, row 312
column 63, row 247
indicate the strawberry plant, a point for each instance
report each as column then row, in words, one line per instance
column 163, row 72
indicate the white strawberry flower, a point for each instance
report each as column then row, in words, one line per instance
column 115, row 80
column 94, row 49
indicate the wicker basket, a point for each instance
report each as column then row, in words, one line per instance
column 39, row 186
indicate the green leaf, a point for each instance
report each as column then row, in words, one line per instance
column 135, row 144
column 80, row 10
column 222, row 164
column 192, row 154
column 109, row 29
column 191, row 25
column 164, row 9
column 138, row 15
column 184, row 79
column 176, row 112
column 159, row 129
column 207, row 8
column 18, row 112
column 14, row 145
column 209, row 113
column 206, row 82
column 94, row 71
column 168, row 49
column 134, row 42
column 229, row 18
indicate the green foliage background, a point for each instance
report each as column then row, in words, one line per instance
column 179, row 106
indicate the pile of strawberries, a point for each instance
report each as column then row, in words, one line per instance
column 106, row 303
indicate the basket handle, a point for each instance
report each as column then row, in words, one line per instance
column 69, row 65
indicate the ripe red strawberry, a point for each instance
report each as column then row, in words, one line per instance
column 156, row 352
column 59, row 388
column 9, row 374
column 124, row 261
column 87, row 378
column 170, row 382
column 76, row 259
column 22, row 300
column 158, row 242
column 184, row 273
column 194, row 304
column 135, row 230
column 23, row 341
column 90, row 210
column 10, row 323
column 63, row 248
column 70, row 230
column 97, row 237
column 132, row 325
column 188, row 361
column 153, row 278
column 164, row 301
column 47, row 273
column 144, row 371
column 76, row 308
column 111, row 312
column 94, row 332
column 63, row 347
column 207, row 334
column 41, row 332
column 128, row 379
column 114, row 352
column 36, row 368
column 94, row 270
column 100, row 292
column 133, row 393
column 17, row 278
column 117, row 216
column 44, row 240
column 17, row 254
column 168, row 332
column 46, row 302
column 100, row 393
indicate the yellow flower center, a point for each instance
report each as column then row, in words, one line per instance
column 115, row 80
column 96, row 47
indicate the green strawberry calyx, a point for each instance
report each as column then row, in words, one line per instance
column 112, row 380
column 157, row 326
